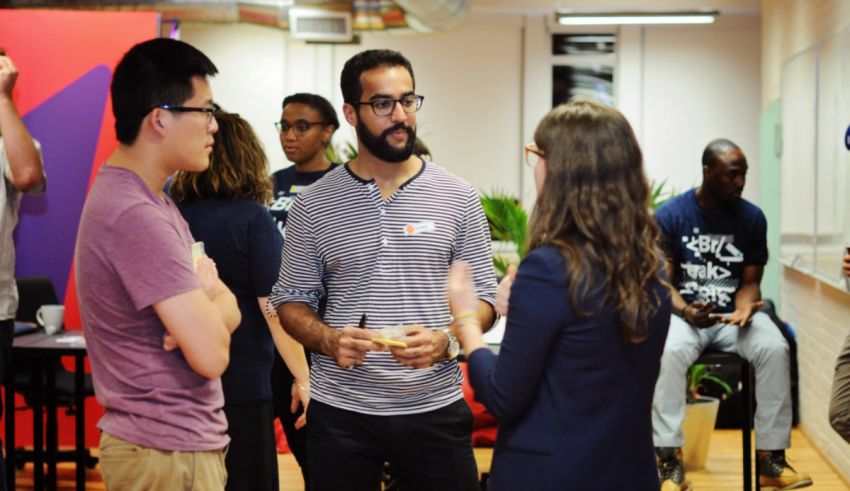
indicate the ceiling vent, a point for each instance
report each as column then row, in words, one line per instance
column 435, row 15
column 317, row 25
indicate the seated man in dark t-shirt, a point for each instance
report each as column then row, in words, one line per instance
column 716, row 244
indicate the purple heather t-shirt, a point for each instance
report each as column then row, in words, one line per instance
column 134, row 250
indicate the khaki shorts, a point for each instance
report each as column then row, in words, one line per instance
column 129, row 467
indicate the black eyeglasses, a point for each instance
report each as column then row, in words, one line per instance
column 300, row 127
column 384, row 106
column 187, row 109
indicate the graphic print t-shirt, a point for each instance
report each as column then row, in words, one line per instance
column 287, row 185
column 709, row 249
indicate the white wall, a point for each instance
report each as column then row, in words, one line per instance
column 700, row 83
column 679, row 87
column 816, row 309
column 488, row 83
column 471, row 80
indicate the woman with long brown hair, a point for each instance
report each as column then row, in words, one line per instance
column 225, row 207
column 587, row 316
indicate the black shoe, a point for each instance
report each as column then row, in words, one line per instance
column 671, row 470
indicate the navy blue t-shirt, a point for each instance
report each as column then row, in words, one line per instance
column 287, row 184
column 709, row 249
column 242, row 239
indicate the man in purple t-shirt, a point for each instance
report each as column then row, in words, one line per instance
column 157, row 326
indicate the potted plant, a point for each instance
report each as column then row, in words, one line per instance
column 508, row 228
column 700, row 415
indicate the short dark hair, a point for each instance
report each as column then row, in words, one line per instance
column 715, row 148
column 365, row 61
column 317, row 103
column 153, row 73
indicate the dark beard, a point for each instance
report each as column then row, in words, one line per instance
column 380, row 148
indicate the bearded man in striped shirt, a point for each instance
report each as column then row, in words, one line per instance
column 377, row 236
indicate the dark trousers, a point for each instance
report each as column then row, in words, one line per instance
column 251, row 458
column 428, row 452
column 7, row 332
column 282, row 393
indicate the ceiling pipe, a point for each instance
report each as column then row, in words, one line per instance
column 422, row 15
column 437, row 15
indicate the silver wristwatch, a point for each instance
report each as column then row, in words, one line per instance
column 453, row 348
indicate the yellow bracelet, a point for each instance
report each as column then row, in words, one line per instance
column 302, row 388
column 466, row 315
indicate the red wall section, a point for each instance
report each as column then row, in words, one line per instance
column 52, row 49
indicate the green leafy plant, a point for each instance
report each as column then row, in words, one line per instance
column 659, row 193
column 341, row 153
column 508, row 222
column 698, row 375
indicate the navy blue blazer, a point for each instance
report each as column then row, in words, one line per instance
column 572, row 400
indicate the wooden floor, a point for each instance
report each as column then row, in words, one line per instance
column 722, row 473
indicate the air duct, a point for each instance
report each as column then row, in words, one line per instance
column 421, row 15
column 437, row 15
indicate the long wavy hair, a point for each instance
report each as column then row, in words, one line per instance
column 594, row 207
column 238, row 167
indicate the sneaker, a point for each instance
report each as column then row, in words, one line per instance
column 776, row 475
column 671, row 470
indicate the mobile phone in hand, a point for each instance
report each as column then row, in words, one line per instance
column 705, row 307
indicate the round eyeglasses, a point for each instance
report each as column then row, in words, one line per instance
column 533, row 155
column 384, row 106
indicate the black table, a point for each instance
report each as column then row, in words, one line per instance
column 45, row 352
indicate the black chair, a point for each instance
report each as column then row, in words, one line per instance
column 33, row 292
column 714, row 358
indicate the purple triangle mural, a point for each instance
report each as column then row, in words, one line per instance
column 68, row 127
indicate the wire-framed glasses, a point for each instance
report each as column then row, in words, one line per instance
column 384, row 106
column 188, row 109
column 533, row 155
column 300, row 127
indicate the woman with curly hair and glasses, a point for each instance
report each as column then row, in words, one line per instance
column 588, row 314
column 307, row 124
column 226, row 208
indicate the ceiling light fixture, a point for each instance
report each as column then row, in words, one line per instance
column 570, row 18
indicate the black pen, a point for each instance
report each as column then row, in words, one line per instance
column 362, row 321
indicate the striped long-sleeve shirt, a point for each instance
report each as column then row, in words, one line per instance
column 388, row 259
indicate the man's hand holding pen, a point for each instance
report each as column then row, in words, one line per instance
column 348, row 346
column 420, row 347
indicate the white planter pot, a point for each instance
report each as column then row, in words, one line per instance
column 506, row 250
column 697, row 427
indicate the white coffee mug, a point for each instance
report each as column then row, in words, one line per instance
column 50, row 317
